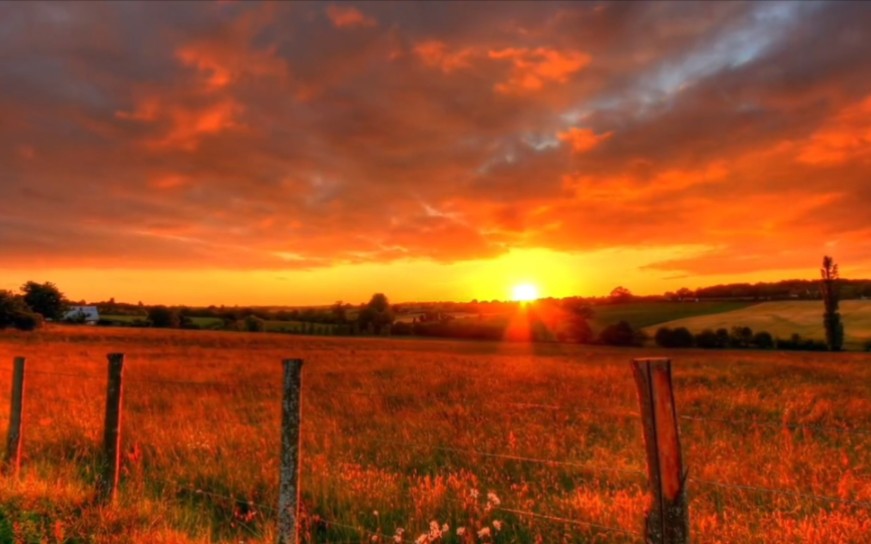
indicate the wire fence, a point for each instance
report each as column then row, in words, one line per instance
column 379, row 536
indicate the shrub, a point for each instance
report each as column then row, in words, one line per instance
column 401, row 328
column 27, row 321
column 707, row 339
column 867, row 345
column 252, row 323
column 621, row 334
column 164, row 318
column 680, row 337
column 797, row 343
column 763, row 340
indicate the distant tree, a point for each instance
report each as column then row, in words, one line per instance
column 340, row 313
column 741, row 337
column 163, row 317
column 44, row 299
column 621, row 334
column 707, row 339
column 376, row 316
column 621, row 294
column 763, row 340
column 680, row 337
column 15, row 313
column 252, row 323
column 723, row 338
column 577, row 321
column 831, row 317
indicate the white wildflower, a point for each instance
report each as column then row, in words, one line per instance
column 484, row 533
column 497, row 525
column 461, row 531
column 493, row 499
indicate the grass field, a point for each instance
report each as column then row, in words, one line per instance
column 645, row 314
column 782, row 319
column 201, row 461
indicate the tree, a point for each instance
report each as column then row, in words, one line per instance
column 164, row 318
column 763, row 340
column 621, row 294
column 44, row 299
column 680, row 337
column 621, row 334
column 831, row 317
column 578, row 315
column 376, row 315
column 15, row 313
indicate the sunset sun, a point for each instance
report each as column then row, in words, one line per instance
column 524, row 292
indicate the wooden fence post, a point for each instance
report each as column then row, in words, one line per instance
column 13, row 442
column 288, row 492
column 667, row 518
column 112, row 429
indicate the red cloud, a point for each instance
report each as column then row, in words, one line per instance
column 348, row 17
column 533, row 68
column 583, row 139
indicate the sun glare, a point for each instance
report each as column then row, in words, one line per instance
column 524, row 292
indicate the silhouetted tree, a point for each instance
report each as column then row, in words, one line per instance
column 15, row 313
column 578, row 315
column 621, row 294
column 680, row 337
column 163, row 317
column 621, row 334
column 44, row 299
column 831, row 317
column 377, row 315
column 763, row 340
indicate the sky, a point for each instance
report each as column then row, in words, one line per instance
column 302, row 153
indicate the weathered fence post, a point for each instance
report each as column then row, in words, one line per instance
column 13, row 442
column 112, row 429
column 288, row 492
column 667, row 519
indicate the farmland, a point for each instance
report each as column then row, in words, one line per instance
column 393, row 434
column 782, row 319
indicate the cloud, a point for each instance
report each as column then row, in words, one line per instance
column 348, row 17
column 254, row 135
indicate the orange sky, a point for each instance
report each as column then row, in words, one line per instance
column 301, row 153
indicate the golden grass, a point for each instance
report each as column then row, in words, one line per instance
column 380, row 417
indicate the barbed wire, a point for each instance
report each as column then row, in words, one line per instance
column 784, row 492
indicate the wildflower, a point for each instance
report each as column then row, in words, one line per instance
column 397, row 537
column 484, row 533
column 446, row 528
column 493, row 499
column 497, row 525
column 461, row 531
column 422, row 539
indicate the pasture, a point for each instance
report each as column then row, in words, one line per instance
column 398, row 434
column 783, row 318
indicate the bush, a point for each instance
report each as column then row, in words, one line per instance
column 15, row 313
column 797, row 343
column 164, row 318
column 401, row 328
column 621, row 334
column 707, row 339
column 27, row 321
column 763, row 340
column 680, row 337
column 252, row 323
column 867, row 345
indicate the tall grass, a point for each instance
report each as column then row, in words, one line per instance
column 390, row 433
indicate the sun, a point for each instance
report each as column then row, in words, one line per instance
column 524, row 292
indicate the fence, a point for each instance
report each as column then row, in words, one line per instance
column 666, row 521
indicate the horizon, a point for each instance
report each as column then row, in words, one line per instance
column 295, row 154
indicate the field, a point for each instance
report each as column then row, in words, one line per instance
column 782, row 319
column 645, row 314
column 394, row 433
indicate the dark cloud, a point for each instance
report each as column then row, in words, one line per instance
column 241, row 135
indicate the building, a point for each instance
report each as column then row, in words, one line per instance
column 82, row 314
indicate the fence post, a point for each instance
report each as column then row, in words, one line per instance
column 13, row 442
column 288, row 493
column 112, row 429
column 667, row 518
